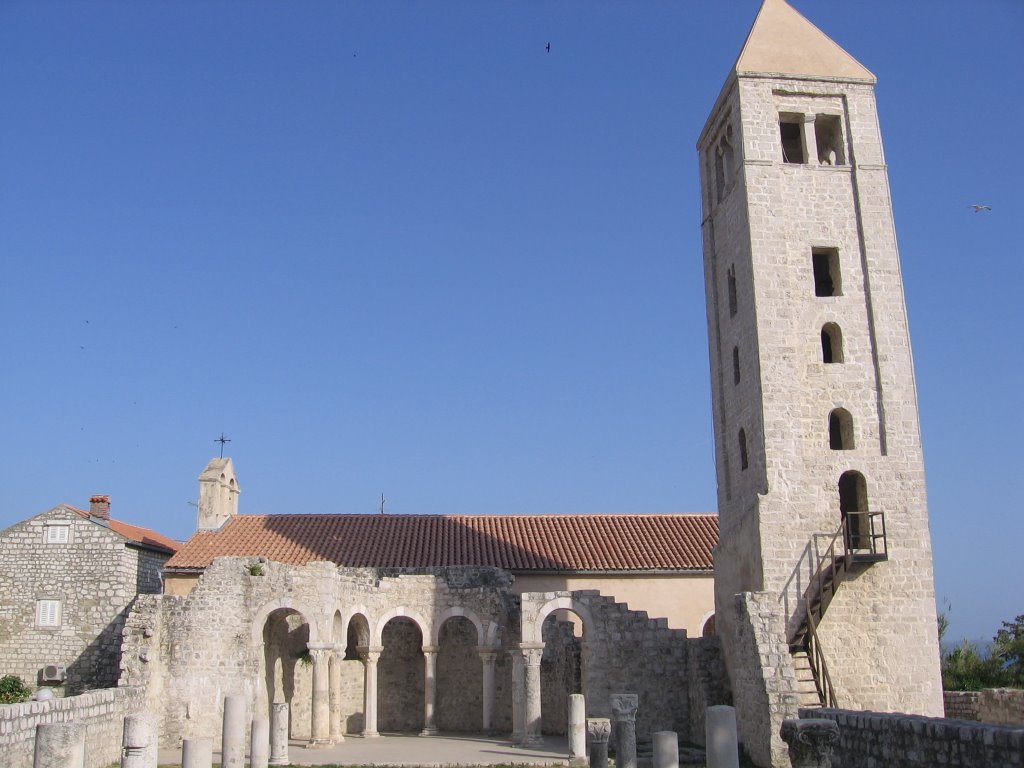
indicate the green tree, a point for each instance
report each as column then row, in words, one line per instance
column 12, row 690
column 1008, row 648
column 966, row 668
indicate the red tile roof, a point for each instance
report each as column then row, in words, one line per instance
column 135, row 533
column 515, row 543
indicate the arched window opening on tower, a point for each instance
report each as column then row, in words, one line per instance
column 853, row 499
column 840, row 430
column 731, row 285
column 828, row 134
column 831, row 343
column 791, row 130
column 744, row 462
column 825, row 263
column 735, row 365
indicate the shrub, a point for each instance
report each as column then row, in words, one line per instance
column 12, row 690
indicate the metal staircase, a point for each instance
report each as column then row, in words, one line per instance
column 860, row 541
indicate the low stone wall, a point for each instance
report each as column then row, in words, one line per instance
column 102, row 711
column 872, row 739
column 1001, row 706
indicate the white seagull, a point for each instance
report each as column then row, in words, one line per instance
column 979, row 208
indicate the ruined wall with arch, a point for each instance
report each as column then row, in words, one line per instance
column 261, row 631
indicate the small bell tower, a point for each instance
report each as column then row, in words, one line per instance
column 218, row 494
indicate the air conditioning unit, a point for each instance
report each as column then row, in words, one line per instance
column 54, row 673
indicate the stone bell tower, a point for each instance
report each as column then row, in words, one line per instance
column 824, row 548
column 218, row 494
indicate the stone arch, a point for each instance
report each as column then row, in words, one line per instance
column 451, row 613
column 831, row 343
column 707, row 625
column 458, row 672
column 285, row 665
column 400, row 612
column 840, row 430
column 555, row 604
column 263, row 612
column 402, row 637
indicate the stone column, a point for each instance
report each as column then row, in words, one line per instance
column 60, row 745
column 232, row 739
column 666, row 749
column 429, row 689
column 810, row 141
column 488, row 656
column 518, row 694
column 259, row 743
column 138, row 741
column 810, row 741
column 577, row 726
column 371, row 655
column 196, row 753
column 337, row 731
column 278, row 734
column 320, row 714
column 599, row 729
column 720, row 737
column 624, row 706
column 532, row 653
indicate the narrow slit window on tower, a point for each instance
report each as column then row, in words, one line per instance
column 791, row 131
column 831, row 343
column 840, row 430
column 719, row 174
column 744, row 462
column 825, row 263
column 731, row 285
column 735, row 365
column 828, row 135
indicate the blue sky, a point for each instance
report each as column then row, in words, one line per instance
column 401, row 248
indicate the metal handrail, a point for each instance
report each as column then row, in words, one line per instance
column 819, row 667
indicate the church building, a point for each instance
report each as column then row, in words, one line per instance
column 803, row 590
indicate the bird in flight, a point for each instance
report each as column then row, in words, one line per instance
column 979, row 208
column 548, row 48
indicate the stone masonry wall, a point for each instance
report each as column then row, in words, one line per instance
column 763, row 678
column 94, row 576
column 872, row 739
column 1000, row 706
column 103, row 713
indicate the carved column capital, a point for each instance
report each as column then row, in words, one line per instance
column 429, row 650
column 810, row 741
column 599, row 729
column 532, row 653
column 624, row 706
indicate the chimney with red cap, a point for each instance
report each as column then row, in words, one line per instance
column 99, row 506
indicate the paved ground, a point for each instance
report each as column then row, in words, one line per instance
column 445, row 750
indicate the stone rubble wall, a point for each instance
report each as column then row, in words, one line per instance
column 1000, row 706
column 873, row 739
column 95, row 576
column 102, row 711
column 708, row 682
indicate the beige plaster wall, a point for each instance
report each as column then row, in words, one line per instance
column 686, row 600
column 180, row 584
